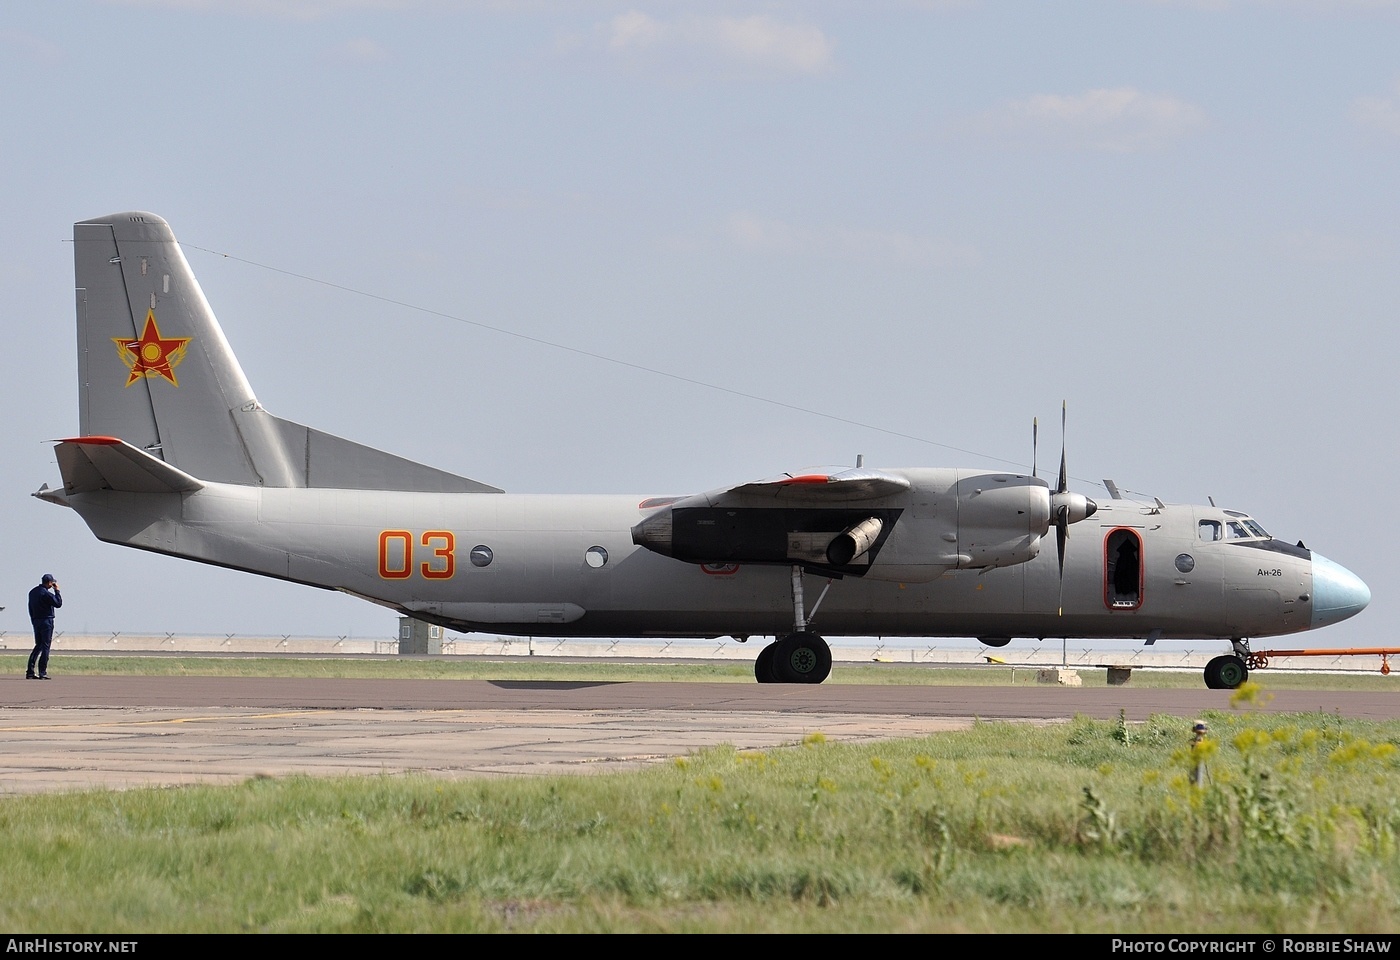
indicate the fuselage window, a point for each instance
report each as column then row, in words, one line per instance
column 1209, row 529
column 1122, row 587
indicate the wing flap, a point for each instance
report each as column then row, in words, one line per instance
column 89, row 464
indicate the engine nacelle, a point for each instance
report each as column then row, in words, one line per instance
column 908, row 525
column 1002, row 519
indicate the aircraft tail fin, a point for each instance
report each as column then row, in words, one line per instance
column 155, row 371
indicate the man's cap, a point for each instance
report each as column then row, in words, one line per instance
column 48, row 578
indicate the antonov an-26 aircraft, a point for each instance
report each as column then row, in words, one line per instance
column 176, row 455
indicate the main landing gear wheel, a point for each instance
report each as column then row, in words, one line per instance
column 801, row 658
column 1226, row 673
column 763, row 666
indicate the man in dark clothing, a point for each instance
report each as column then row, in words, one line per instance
column 43, row 601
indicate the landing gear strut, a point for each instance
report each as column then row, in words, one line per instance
column 1228, row 672
column 800, row 656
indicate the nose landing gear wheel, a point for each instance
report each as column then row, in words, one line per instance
column 1226, row 673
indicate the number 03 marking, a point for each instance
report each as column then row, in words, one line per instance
column 396, row 555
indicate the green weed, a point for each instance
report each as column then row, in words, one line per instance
column 1086, row 826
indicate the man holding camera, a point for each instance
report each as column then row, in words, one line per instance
column 43, row 601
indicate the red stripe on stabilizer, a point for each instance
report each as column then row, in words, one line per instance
column 809, row 478
column 106, row 441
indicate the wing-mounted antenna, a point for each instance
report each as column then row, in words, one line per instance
column 1066, row 507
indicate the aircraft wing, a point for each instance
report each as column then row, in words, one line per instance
column 821, row 486
column 828, row 520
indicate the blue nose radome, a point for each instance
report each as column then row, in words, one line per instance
column 1337, row 592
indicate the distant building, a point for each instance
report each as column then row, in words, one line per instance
column 418, row 637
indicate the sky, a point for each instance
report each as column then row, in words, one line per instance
column 660, row 248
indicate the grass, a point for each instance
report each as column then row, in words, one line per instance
column 1090, row 826
column 1272, row 823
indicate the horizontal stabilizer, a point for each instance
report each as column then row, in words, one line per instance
column 89, row 464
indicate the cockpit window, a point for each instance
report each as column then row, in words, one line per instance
column 1245, row 529
column 1241, row 528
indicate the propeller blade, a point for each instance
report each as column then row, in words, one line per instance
column 1035, row 444
column 1061, row 535
column 1064, row 472
column 1062, row 514
column 1061, row 538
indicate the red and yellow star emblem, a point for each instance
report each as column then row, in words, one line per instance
column 152, row 355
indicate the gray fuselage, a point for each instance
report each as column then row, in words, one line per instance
column 521, row 565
